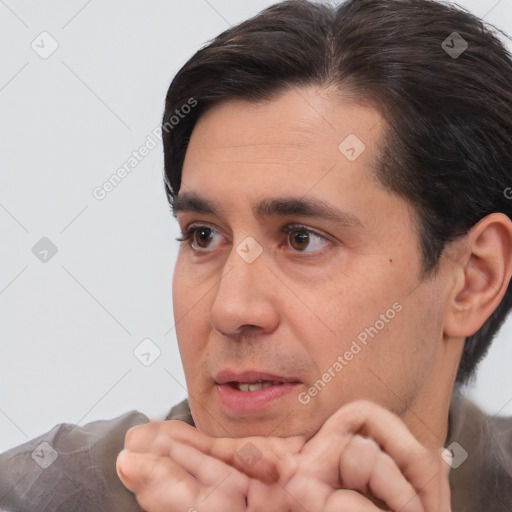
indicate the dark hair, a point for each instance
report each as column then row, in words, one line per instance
column 447, row 147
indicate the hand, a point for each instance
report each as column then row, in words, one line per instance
column 177, row 477
column 362, row 456
column 370, row 450
column 362, row 447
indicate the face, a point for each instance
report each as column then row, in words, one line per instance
column 297, row 287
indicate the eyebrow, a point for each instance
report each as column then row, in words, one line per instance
column 191, row 202
column 270, row 207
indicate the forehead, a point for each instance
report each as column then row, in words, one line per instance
column 301, row 133
column 306, row 142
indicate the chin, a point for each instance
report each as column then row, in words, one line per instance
column 258, row 428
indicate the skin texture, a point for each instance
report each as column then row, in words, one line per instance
column 370, row 438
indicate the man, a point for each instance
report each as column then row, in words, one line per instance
column 340, row 183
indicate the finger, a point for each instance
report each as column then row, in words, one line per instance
column 141, row 438
column 161, row 485
column 209, row 471
column 158, row 483
column 364, row 466
column 140, row 470
column 272, row 498
column 258, row 457
column 445, row 485
column 350, row 501
column 266, row 459
column 157, row 436
column 417, row 464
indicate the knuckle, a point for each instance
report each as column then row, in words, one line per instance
column 430, row 460
column 362, row 405
column 132, row 437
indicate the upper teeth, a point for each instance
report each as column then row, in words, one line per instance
column 253, row 386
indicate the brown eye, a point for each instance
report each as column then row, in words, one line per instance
column 202, row 237
column 302, row 239
column 299, row 240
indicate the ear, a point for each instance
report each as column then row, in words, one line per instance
column 483, row 268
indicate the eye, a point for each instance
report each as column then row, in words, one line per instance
column 200, row 237
column 302, row 239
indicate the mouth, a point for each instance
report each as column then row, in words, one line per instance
column 252, row 391
column 254, row 386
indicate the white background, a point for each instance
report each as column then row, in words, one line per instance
column 69, row 326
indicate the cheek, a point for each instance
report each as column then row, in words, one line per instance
column 398, row 349
column 344, row 310
column 182, row 280
column 189, row 289
column 190, row 307
column 370, row 321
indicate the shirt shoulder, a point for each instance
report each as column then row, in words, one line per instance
column 70, row 468
column 481, row 445
column 181, row 411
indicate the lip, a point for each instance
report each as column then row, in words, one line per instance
column 249, row 377
column 235, row 401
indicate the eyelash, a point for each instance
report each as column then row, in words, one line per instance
column 187, row 235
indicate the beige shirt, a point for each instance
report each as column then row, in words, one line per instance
column 72, row 468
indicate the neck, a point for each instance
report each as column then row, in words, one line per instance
column 428, row 415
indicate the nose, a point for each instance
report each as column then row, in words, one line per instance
column 246, row 299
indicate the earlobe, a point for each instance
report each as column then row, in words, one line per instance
column 483, row 270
